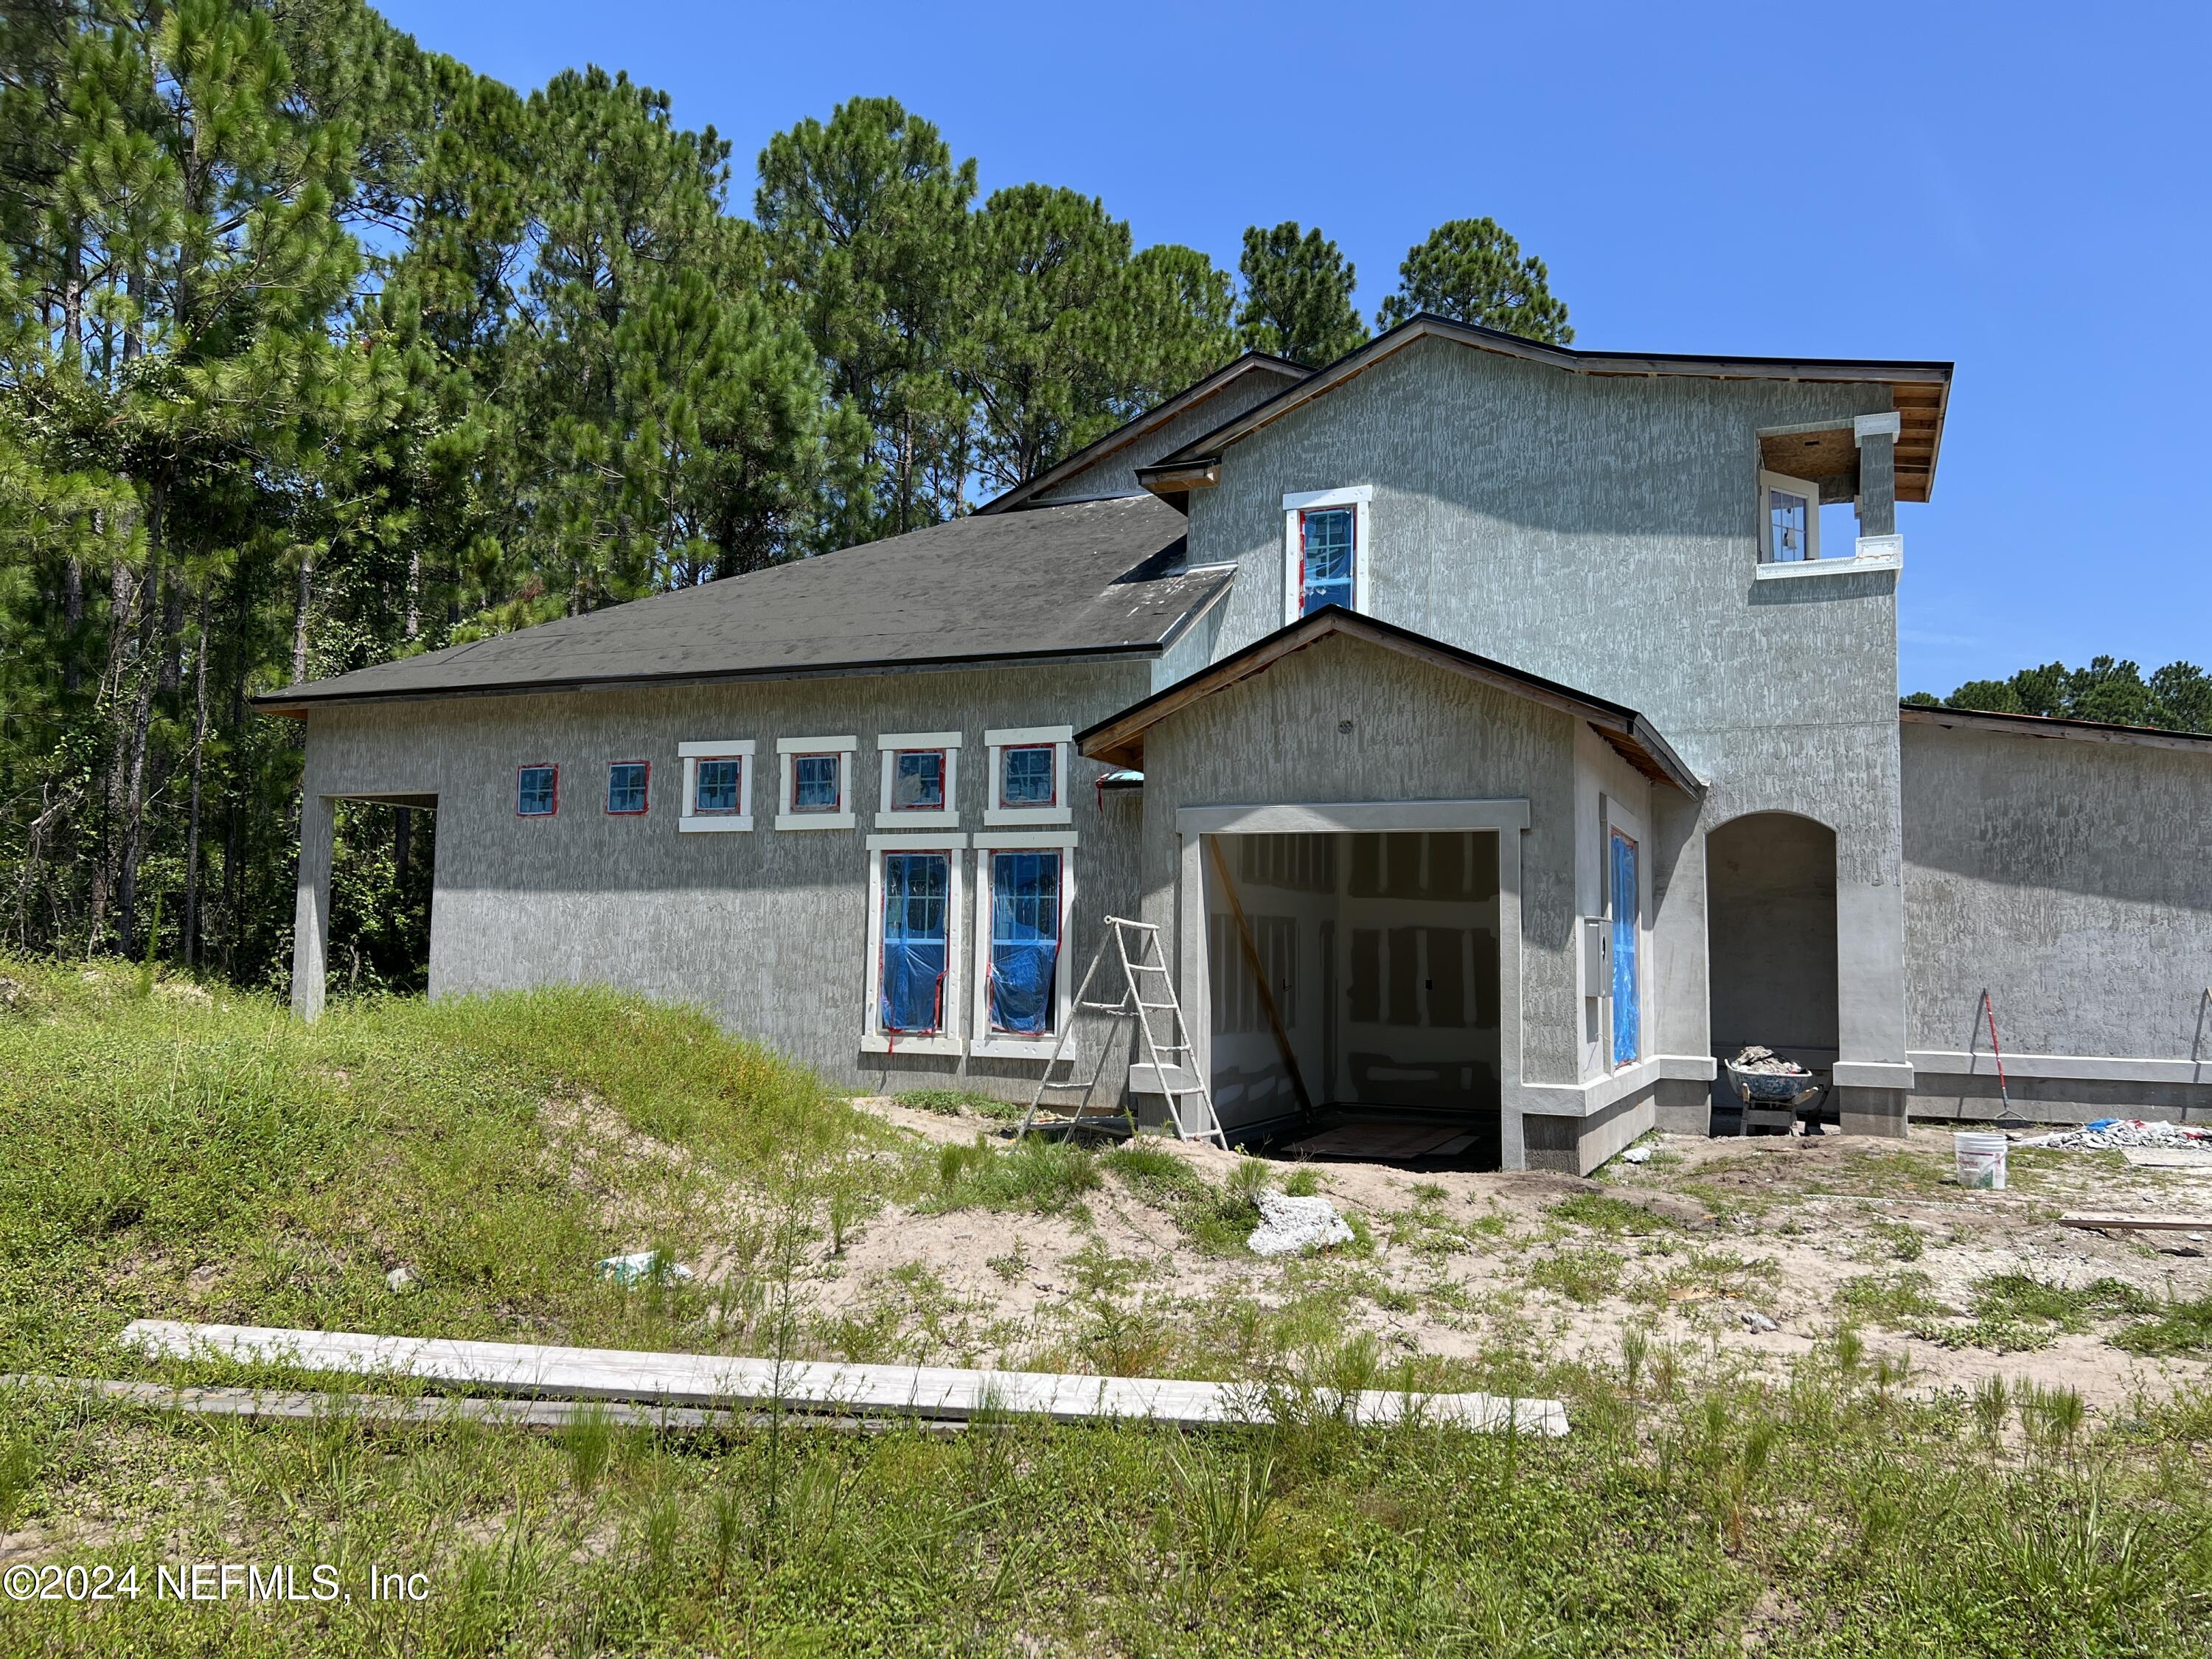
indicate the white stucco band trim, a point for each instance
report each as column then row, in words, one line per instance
column 1589, row 1099
column 846, row 819
column 1875, row 553
column 2071, row 1068
column 1870, row 1074
column 1352, row 818
column 1890, row 426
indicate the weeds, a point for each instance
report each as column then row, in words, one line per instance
column 1586, row 1275
column 1043, row 1176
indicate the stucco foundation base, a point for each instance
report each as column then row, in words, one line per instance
column 1683, row 1108
column 1577, row 1146
column 1871, row 1112
column 1938, row 1098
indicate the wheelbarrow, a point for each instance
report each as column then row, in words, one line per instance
column 1772, row 1099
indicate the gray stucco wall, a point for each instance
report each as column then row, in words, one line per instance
column 1603, row 532
column 1117, row 474
column 2073, row 879
column 766, row 929
column 1416, row 733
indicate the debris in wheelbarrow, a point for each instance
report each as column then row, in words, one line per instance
column 1770, row 1088
column 1766, row 1062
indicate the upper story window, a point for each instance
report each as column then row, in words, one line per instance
column 817, row 790
column 717, row 785
column 1789, row 519
column 921, row 780
column 538, row 792
column 1325, row 551
column 1029, row 776
column 626, row 787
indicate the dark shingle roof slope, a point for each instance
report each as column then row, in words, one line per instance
column 1090, row 579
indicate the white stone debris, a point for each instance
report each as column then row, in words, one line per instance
column 399, row 1281
column 2112, row 1134
column 1758, row 1059
column 1288, row 1225
column 1640, row 1154
column 1757, row 1323
column 639, row 1266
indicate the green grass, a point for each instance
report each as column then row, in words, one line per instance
column 1041, row 1175
column 952, row 1102
column 1587, row 1274
column 2177, row 1328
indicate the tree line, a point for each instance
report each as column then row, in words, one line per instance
column 317, row 348
column 2175, row 698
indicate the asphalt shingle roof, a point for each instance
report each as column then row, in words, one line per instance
column 1091, row 578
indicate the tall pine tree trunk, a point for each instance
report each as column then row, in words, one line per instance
column 142, row 716
column 300, row 618
column 191, row 928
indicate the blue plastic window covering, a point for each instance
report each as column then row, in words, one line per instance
column 534, row 792
column 714, row 789
column 918, row 780
column 916, row 887
column 814, row 783
column 1788, row 532
column 1025, row 776
column 626, row 787
column 1326, row 553
column 1627, row 1016
column 1024, row 941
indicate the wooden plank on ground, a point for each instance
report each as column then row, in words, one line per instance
column 2116, row 1222
column 1389, row 1142
column 718, row 1382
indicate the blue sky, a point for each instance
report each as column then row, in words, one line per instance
column 2023, row 190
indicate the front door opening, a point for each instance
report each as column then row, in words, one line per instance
column 383, row 856
column 1771, row 941
column 1376, row 959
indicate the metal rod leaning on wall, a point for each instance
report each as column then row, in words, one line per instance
column 1259, row 975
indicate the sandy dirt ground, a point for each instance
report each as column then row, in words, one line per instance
column 1743, row 1249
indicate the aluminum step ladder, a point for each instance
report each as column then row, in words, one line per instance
column 1171, row 1068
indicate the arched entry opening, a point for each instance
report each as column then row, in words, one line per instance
column 1771, row 943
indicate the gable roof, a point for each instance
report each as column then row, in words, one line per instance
column 1119, row 739
column 1919, row 391
column 2049, row 726
column 1252, row 363
column 1089, row 579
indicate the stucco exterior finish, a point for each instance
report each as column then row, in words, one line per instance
column 1117, row 474
column 2073, row 880
column 765, row 929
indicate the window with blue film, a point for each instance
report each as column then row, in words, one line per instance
column 916, row 890
column 1627, row 1015
column 535, row 792
column 626, row 787
column 714, row 789
column 1025, row 776
column 1024, row 941
column 814, row 783
column 918, row 780
column 1326, row 552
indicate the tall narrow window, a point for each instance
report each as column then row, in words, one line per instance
column 626, row 784
column 918, row 780
column 917, row 889
column 538, row 792
column 1789, row 519
column 1628, row 1012
column 1328, row 543
column 817, row 783
column 1024, row 942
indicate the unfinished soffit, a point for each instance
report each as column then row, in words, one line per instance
column 1825, row 455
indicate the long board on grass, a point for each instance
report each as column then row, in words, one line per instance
column 714, row 1380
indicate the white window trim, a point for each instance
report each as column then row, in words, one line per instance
column 737, row 748
column 1870, row 553
column 987, row 1044
column 787, row 747
column 1062, row 739
column 889, row 744
column 1811, row 492
column 1358, row 497
column 873, row 1041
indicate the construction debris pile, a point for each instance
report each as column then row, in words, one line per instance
column 2114, row 1134
column 1289, row 1226
column 1767, row 1063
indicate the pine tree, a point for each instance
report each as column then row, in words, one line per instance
column 1297, row 296
column 1471, row 270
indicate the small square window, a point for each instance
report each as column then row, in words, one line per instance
column 626, row 787
column 918, row 780
column 1789, row 519
column 1025, row 775
column 538, row 792
column 716, row 785
column 816, row 784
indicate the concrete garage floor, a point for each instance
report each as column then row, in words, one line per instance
column 1694, row 1252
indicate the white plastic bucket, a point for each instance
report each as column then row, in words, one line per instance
column 1981, row 1160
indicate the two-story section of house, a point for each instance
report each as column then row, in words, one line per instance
column 1500, row 735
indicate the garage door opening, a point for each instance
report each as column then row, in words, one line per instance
column 1355, row 988
column 384, row 853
